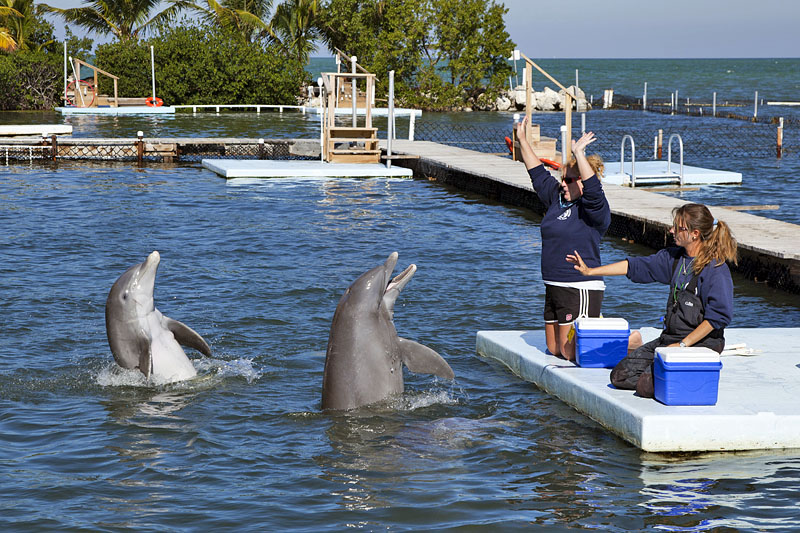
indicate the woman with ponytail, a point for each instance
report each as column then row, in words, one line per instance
column 700, row 301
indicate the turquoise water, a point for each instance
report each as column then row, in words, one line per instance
column 257, row 267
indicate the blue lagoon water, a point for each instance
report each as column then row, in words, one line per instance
column 257, row 267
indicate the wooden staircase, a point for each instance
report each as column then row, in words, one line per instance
column 355, row 143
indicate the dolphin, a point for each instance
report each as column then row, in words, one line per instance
column 140, row 336
column 365, row 357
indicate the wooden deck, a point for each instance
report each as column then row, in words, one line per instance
column 769, row 250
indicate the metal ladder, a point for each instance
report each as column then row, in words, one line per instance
column 667, row 175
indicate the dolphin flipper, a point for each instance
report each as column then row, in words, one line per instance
column 187, row 336
column 421, row 359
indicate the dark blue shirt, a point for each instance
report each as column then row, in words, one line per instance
column 577, row 225
column 714, row 284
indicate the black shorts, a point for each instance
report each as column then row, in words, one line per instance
column 565, row 304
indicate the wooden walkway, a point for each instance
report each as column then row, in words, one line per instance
column 769, row 250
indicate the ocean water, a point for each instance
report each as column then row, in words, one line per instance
column 257, row 267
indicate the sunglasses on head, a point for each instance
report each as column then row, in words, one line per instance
column 569, row 180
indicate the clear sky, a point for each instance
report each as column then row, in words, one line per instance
column 639, row 28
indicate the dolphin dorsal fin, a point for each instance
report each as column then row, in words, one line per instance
column 186, row 336
column 423, row 360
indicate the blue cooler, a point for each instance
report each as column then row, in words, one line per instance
column 601, row 342
column 686, row 376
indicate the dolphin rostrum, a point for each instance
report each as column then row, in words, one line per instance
column 365, row 357
column 140, row 336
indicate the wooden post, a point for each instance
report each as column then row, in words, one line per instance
column 261, row 152
column 660, row 143
column 528, row 95
column 116, row 99
column 780, row 138
column 140, row 148
column 54, row 147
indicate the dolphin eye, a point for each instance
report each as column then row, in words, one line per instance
column 125, row 295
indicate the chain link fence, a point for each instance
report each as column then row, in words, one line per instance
column 717, row 140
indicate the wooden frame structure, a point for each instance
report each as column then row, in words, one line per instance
column 354, row 144
column 77, row 68
column 544, row 144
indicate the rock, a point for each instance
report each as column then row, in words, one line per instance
column 502, row 103
column 549, row 100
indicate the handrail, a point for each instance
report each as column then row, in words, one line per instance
column 669, row 154
column 633, row 159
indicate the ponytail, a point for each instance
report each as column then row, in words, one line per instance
column 718, row 243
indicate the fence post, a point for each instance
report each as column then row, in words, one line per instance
column 644, row 98
column 755, row 107
column 714, row 105
column 140, row 148
column 411, row 121
column 54, row 147
column 261, row 154
column 780, row 138
column 660, row 143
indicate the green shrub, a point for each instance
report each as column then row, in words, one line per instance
column 202, row 65
column 30, row 80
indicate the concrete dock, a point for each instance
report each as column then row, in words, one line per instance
column 769, row 250
column 758, row 406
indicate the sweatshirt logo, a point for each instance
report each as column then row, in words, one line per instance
column 565, row 215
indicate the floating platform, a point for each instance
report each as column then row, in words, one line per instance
column 122, row 110
column 662, row 173
column 758, row 405
column 248, row 168
column 39, row 130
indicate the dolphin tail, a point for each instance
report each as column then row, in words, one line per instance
column 186, row 336
column 421, row 359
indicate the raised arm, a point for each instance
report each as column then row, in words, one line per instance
column 578, row 150
column 525, row 148
column 620, row 268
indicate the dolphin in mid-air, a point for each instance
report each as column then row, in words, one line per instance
column 365, row 357
column 140, row 336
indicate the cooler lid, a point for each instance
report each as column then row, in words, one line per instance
column 586, row 323
column 690, row 354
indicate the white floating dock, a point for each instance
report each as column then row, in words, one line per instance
column 758, row 405
column 35, row 130
column 122, row 110
column 250, row 168
column 664, row 173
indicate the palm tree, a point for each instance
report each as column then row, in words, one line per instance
column 295, row 27
column 23, row 24
column 125, row 19
column 7, row 16
column 245, row 18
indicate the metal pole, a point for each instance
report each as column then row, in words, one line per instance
column 780, row 138
column 644, row 98
column 755, row 107
column 564, row 149
column 660, row 143
column 411, row 122
column 714, row 105
column 390, row 126
column 576, row 79
column 65, row 73
column 354, row 89
column 153, row 73
column 583, row 123
column 322, row 106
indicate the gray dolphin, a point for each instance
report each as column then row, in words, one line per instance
column 365, row 357
column 140, row 336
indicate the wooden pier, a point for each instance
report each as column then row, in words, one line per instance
column 769, row 250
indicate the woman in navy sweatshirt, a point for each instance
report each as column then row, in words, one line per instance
column 576, row 217
column 700, row 300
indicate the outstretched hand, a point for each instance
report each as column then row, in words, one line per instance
column 522, row 129
column 580, row 145
column 576, row 259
